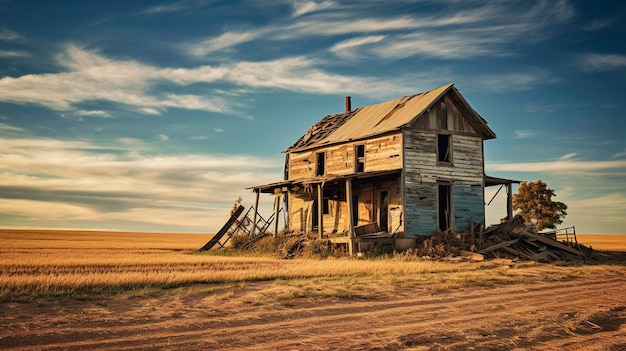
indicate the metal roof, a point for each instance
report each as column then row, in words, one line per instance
column 386, row 116
column 378, row 119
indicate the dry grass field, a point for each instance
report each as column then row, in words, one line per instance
column 68, row 290
column 603, row 242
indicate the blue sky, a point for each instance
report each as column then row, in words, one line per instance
column 156, row 115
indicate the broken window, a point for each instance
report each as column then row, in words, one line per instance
column 359, row 158
column 320, row 169
column 325, row 206
column 444, row 148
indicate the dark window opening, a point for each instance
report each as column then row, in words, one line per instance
column 321, row 164
column 355, row 210
column 314, row 216
column 444, row 149
column 359, row 156
column 444, row 206
column 325, row 206
column 383, row 220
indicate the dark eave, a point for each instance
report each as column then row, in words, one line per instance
column 492, row 181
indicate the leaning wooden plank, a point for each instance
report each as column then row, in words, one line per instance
column 216, row 238
column 553, row 243
column 498, row 246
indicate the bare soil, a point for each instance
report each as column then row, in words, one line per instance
column 587, row 313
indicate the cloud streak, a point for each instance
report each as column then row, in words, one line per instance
column 451, row 31
column 53, row 179
column 91, row 77
column 601, row 62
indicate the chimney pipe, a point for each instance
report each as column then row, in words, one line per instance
column 348, row 104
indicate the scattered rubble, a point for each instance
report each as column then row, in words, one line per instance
column 512, row 239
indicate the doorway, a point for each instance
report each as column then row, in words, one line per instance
column 383, row 213
column 444, row 206
column 355, row 210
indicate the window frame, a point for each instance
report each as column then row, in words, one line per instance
column 320, row 167
column 359, row 158
column 446, row 151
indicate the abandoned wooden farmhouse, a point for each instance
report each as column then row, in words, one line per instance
column 405, row 167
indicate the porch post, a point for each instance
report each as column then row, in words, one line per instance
column 320, row 213
column 287, row 213
column 277, row 194
column 256, row 210
column 509, row 201
column 350, row 216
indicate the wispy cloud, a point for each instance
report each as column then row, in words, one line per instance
column 93, row 77
column 516, row 81
column 10, row 54
column 9, row 35
column 174, row 7
column 8, row 129
column 305, row 7
column 90, row 76
column 599, row 24
column 345, row 47
column 221, row 42
column 449, row 31
column 601, row 62
column 93, row 113
column 619, row 154
column 525, row 133
column 560, row 165
column 80, row 181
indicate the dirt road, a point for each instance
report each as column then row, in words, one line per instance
column 579, row 314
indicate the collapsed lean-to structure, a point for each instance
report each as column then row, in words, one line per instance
column 406, row 167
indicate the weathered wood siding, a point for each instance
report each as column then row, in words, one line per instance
column 422, row 171
column 336, row 221
column 381, row 154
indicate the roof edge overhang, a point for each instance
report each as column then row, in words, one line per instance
column 487, row 132
column 492, row 181
column 484, row 131
column 320, row 146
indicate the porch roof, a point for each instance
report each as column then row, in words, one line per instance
column 331, row 178
column 492, row 181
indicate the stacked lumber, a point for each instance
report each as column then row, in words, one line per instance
column 513, row 239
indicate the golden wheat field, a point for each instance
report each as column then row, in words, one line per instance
column 86, row 289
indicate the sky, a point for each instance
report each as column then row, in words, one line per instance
column 158, row 115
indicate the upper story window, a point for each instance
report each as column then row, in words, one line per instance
column 359, row 158
column 444, row 148
column 320, row 168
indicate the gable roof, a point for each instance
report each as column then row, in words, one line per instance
column 381, row 118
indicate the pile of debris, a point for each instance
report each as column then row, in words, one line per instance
column 512, row 239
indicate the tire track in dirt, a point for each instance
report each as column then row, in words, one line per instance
column 362, row 324
column 268, row 327
column 405, row 316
